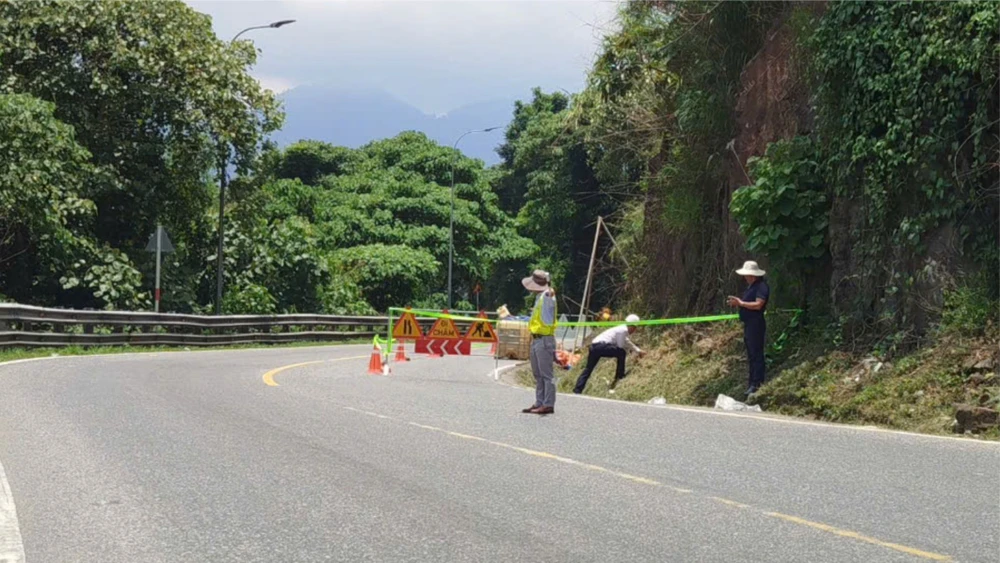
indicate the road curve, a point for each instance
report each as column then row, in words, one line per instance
column 224, row 456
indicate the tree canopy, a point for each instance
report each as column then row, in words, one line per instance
column 375, row 217
column 153, row 99
column 116, row 116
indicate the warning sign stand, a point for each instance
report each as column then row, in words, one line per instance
column 442, row 339
column 407, row 328
column 481, row 331
column 444, row 329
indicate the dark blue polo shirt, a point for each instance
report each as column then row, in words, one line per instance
column 757, row 290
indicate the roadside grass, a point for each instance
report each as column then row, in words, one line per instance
column 27, row 353
column 684, row 365
column 915, row 392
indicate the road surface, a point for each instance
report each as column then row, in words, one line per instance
column 221, row 456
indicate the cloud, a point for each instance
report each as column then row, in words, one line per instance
column 435, row 55
column 276, row 84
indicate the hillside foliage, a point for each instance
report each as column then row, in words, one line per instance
column 873, row 202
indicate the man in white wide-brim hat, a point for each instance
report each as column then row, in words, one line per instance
column 542, row 326
column 751, row 307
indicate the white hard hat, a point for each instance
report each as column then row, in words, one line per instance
column 632, row 319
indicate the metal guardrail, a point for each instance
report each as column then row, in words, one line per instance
column 25, row 326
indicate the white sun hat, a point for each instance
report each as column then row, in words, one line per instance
column 750, row 268
column 632, row 319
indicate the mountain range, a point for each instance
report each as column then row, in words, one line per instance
column 354, row 117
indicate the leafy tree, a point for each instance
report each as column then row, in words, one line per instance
column 154, row 97
column 511, row 185
column 46, row 247
column 279, row 256
column 546, row 176
column 784, row 214
column 308, row 161
column 390, row 275
column 374, row 219
column 250, row 299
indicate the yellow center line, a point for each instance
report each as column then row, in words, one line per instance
column 860, row 537
column 269, row 376
column 787, row 518
column 269, row 380
column 730, row 502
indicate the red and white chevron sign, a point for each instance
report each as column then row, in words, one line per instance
column 443, row 347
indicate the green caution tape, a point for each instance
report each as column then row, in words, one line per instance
column 654, row 322
column 650, row 322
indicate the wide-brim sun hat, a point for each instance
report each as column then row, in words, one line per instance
column 750, row 268
column 537, row 281
column 632, row 319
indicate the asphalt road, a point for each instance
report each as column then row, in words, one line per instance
column 194, row 457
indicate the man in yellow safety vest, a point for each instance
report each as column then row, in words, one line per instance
column 542, row 326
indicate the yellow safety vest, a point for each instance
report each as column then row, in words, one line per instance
column 536, row 325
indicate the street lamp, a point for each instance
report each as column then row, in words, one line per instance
column 451, row 230
column 223, row 182
column 274, row 25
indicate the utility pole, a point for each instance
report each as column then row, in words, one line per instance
column 590, row 273
column 224, row 182
column 451, row 224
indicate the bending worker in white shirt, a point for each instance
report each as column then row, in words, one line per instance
column 609, row 344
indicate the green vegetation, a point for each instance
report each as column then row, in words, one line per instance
column 850, row 147
column 114, row 116
column 785, row 214
column 915, row 391
column 870, row 132
column 355, row 231
column 137, row 102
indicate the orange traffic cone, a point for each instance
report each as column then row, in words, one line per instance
column 401, row 353
column 375, row 363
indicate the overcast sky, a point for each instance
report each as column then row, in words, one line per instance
column 435, row 55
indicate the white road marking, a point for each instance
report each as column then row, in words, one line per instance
column 11, row 547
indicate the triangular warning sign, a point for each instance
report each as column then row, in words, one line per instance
column 407, row 328
column 443, row 329
column 481, row 331
column 165, row 244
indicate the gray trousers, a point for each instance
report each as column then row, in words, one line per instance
column 543, row 356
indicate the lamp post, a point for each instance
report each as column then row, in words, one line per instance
column 274, row 25
column 451, row 229
column 224, row 181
